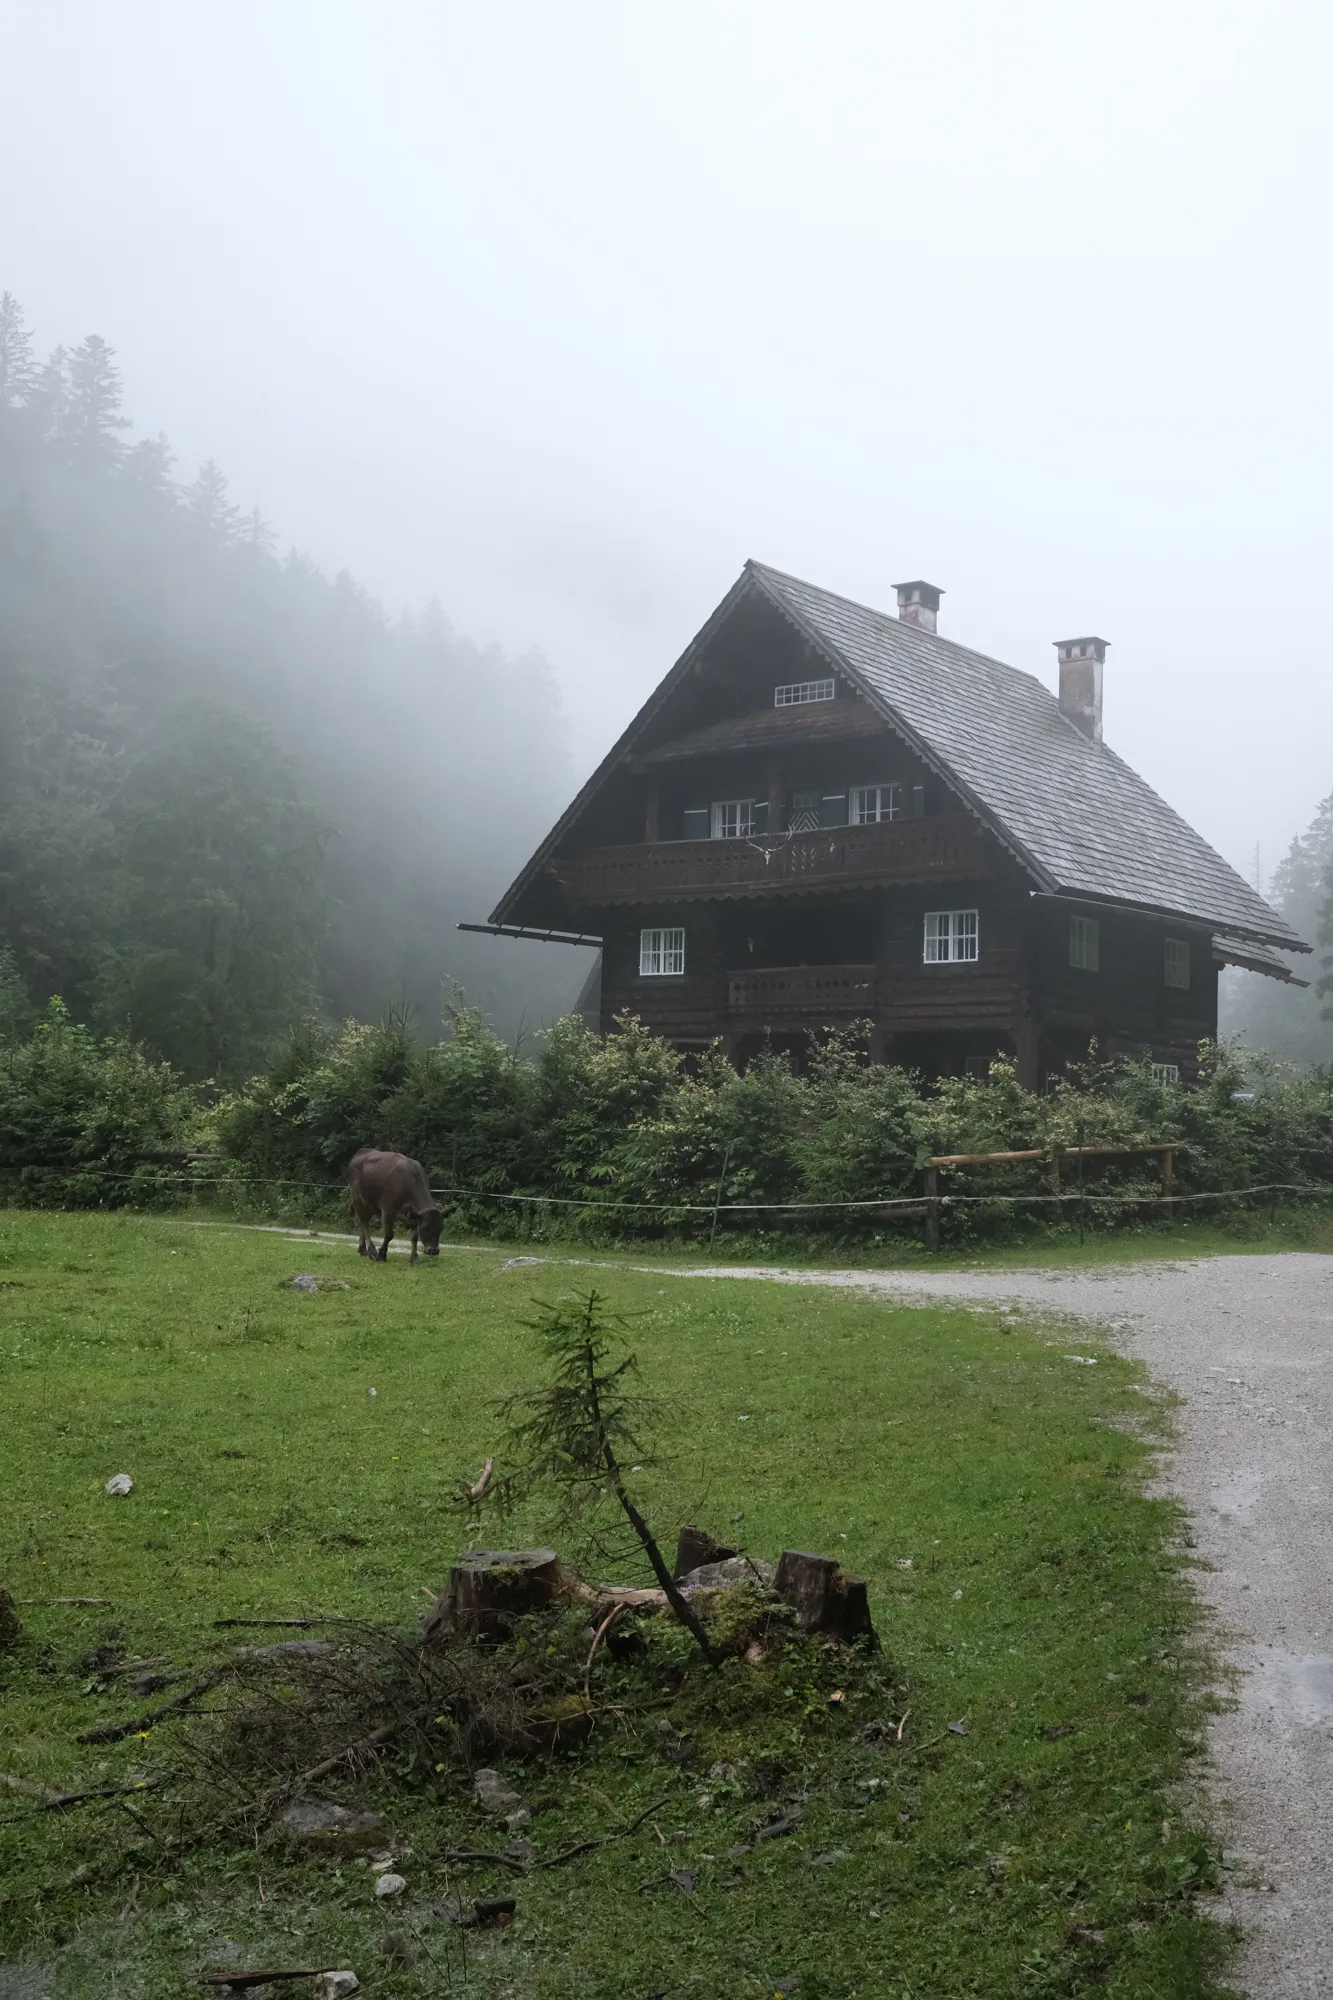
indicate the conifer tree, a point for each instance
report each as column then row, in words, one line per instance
column 93, row 413
column 207, row 503
column 16, row 365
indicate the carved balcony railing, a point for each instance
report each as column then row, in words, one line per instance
column 668, row 871
column 823, row 991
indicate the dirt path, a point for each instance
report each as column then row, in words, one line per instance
column 1248, row 1343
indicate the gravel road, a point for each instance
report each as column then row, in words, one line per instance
column 1248, row 1343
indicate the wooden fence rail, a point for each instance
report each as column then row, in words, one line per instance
column 1051, row 1159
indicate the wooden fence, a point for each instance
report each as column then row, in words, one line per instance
column 932, row 1198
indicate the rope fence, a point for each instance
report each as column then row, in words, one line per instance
column 926, row 1206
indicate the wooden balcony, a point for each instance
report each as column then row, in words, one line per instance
column 824, row 992
column 674, row 871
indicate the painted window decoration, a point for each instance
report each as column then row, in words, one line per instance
column 661, row 953
column 804, row 814
column 951, row 936
column 1176, row 964
column 795, row 693
column 734, row 819
column 1166, row 1072
column 870, row 804
column 1085, row 944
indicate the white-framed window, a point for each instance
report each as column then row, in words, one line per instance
column 1176, row 964
column 872, row 803
column 733, row 819
column 796, row 692
column 951, row 936
column 1085, row 944
column 661, row 953
column 1166, row 1072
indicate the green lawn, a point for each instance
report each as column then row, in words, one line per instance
column 990, row 1489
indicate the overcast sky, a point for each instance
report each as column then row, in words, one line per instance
column 558, row 312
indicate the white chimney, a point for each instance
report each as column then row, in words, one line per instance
column 918, row 604
column 1081, row 663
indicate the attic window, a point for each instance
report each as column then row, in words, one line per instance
column 796, row 692
column 1166, row 1073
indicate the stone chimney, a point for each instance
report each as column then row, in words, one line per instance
column 918, row 604
column 1081, row 663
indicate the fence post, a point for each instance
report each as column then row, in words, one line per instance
column 1169, row 1181
column 931, row 1190
column 721, row 1184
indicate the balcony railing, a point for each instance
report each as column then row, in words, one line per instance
column 668, row 871
column 825, row 991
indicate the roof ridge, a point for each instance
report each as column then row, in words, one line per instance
column 903, row 624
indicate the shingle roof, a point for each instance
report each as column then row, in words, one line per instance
column 1254, row 958
column 1083, row 821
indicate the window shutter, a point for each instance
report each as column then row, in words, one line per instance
column 694, row 823
column 833, row 809
column 761, row 815
column 918, row 802
column 804, row 814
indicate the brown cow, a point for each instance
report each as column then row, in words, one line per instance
column 396, row 1188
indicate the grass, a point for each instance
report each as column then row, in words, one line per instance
column 1048, row 1850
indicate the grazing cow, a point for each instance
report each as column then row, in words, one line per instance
column 396, row 1188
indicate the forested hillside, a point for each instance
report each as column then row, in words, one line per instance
column 231, row 789
column 1294, row 1023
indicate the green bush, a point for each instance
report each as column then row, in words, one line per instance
column 87, row 1123
column 623, row 1138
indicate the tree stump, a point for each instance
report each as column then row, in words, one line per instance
column 488, row 1589
column 823, row 1599
column 694, row 1548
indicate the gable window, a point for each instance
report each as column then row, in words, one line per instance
column 661, row 953
column 872, row 803
column 1166, row 1072
column 796, row 692
column 733, row 819
column 1085, row 944
column 951, row 936
column 1176, row 964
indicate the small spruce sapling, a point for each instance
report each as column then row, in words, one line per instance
column 574, row 1435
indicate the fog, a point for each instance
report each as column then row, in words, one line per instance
column 559, row 313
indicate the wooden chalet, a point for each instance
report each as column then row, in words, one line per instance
column 827, row 815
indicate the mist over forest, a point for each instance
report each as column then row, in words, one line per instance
column 233, row 790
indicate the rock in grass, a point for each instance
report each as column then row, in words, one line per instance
column 495, row 1793
column 390, row 1884
column 333, row 1829
column 119, row 1485
column 725, row 1575
column 335, row 1985
column 304, row 1281
column 10, row 1622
